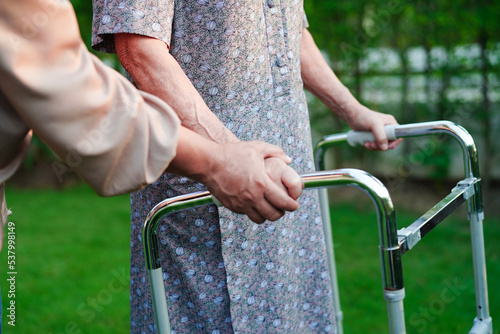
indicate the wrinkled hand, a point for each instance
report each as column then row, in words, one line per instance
column 238, row 177
column 284, row 176
column 369, row 120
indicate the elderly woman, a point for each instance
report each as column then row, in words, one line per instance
column 232, row 70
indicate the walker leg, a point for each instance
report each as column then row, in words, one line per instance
column 327, row 228
column 482, row 327
column 483, row 321
column 159, row 301
column 395, row 310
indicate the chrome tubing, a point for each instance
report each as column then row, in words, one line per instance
column 469, row 150
column 330, row 256
column 474, row 202
column 323, row 145
column 414, row 130
column 152, row 250
column 164, row 208
column 476, row 216
column 327, row 142
column 456, row 131
column 392, row 276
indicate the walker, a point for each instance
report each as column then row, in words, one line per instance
column 393, row 243
column 468, row 190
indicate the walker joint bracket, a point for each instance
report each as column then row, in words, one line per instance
column 469, row 184
column 409, row 236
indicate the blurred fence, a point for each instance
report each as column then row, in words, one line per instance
column 420, row 61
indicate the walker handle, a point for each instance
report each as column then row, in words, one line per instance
column 360, row 137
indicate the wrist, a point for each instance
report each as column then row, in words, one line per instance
column 352, row 111
column 196, row 156
column 209, row 164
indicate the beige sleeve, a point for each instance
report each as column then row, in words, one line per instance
column 117, row 138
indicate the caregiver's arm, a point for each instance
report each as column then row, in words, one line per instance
column 320, row 80
column 116, row 137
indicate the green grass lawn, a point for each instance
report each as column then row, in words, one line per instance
column 72, row 253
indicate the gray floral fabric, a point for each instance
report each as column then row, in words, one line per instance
column 223, row 273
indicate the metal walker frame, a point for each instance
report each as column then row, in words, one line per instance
column 468, row 190
column 393, row 243
column 342, row 177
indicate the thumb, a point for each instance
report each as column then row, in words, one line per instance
column 279, row 198
column 292, row 181
column 380, row 136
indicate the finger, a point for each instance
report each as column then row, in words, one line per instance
column 255, row 216
column 276, row 176
column 371, row 145
column 228, row 204
column 266, row 210
column 281, row 185
column 280, row 213
column 275, row 168
column 394, row 143
column 270, row 212
column 280, row 199
column 292, row 181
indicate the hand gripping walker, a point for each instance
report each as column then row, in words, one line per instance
column 468, row 190
column 390, row 253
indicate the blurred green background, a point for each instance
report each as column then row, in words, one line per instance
column 418, row 60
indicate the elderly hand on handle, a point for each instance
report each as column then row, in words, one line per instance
column 251, row 178
column 374, row 122
column 254, row 178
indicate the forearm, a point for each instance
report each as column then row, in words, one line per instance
column 320, row 80
column 155, row 71
column 194, row 155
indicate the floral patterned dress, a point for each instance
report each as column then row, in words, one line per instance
column 223, row 273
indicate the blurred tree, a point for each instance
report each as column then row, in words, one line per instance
column 448, row 33
column 83, row 9
column 350, row 32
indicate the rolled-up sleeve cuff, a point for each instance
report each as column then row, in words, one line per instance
column 147, row 18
